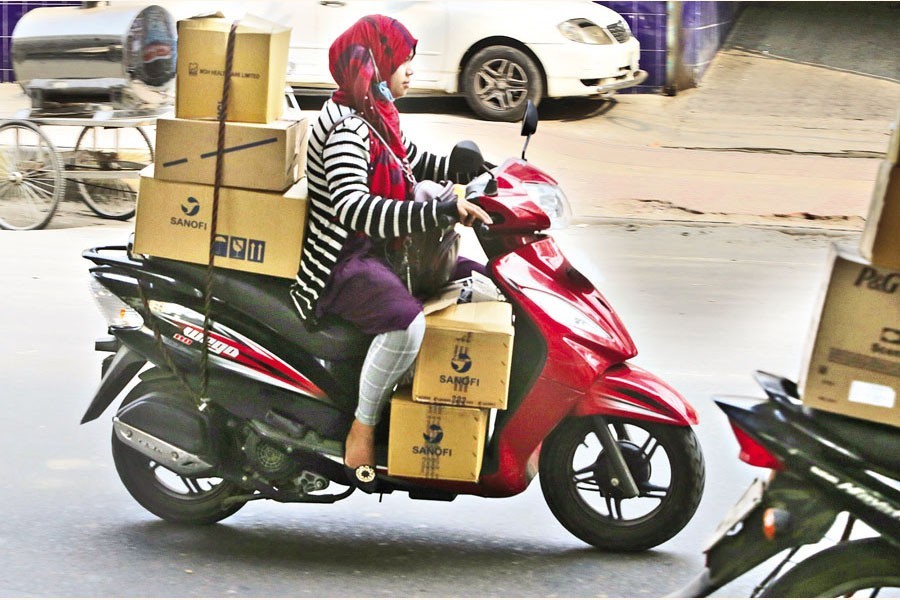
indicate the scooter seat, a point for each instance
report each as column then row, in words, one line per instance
column 268, row 298
column 875, row 442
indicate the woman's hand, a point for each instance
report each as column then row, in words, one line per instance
column 445, row 194
column 469, row 213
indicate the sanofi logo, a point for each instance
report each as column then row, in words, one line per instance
column 434, row 435
column 193, row 208
column 461, row 362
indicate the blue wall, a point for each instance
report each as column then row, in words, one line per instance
column 704, row 27
column 648, row 23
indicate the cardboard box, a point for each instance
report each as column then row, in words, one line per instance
column 475, row 288
column 466, row 355
column 431, row 441
column 258, row 76
column 853, row 364
column 257, row 156
column 893, row 151
column 880, row 242
column 258, row 232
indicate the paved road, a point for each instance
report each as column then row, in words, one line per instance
column 705, row 304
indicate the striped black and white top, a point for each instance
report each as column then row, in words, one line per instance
column 340, row 202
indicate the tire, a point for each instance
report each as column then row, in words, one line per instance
column 840, row 571
column 32, row 177
column 670, row 482
column 170, row 496
column 109, row 198
column 497, row 81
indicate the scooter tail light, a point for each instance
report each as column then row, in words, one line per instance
column 117, row 314
column 753, row 453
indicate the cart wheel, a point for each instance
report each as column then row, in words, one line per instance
column 32, row 180
column 102, row 149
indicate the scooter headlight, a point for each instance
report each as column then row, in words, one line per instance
column 552, row 201
column 568, row 314
column 114, row 310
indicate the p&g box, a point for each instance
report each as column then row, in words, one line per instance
column 258, row 232
column 430, row 441
column 853, row 365
column 256, row 156
column 880, row 240
column 259, row 70
column 466, row 356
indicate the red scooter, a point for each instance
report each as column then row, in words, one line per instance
column 619, row 464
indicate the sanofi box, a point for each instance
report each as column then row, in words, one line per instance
column 259, row 70
column 255, row 156
column 258, row 232
column 431, row 441
column 466, row 356
column 853, row 362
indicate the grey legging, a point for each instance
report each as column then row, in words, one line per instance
column 389, row 357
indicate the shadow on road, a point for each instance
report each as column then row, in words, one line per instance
column 558, row 109
column 434, row 561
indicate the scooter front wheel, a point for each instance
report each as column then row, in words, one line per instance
column 578, row 481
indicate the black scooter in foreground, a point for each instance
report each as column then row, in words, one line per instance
column 823, row 465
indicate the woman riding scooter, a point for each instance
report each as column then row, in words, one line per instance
column 362, row 174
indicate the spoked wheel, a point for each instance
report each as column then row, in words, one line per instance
column 106, row 150
column 578, row 482
column 32, row 181
column 168, row 495
column 866, row 568
column 498, row 80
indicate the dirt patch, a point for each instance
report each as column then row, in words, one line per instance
column 662, row 210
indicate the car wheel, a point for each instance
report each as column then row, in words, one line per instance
column 497, row 81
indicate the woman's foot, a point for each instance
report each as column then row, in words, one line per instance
column 359, row 456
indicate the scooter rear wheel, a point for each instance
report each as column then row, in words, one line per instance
column 172, row 497
column 575, row 473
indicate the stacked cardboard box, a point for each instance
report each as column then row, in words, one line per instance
column 853, row 361
column 262, row 201
column 438, row 430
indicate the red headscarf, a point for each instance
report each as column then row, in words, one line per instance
column 350, row 59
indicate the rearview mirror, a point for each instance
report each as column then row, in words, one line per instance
column 529, row 123
column 465, row 158
column 530, row 120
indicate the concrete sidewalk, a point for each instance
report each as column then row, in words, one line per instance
column 790, row 123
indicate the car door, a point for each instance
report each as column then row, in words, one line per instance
column 427, row 22
column 317, row 23
column 333, row 17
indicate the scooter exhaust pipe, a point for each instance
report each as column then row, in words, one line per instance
column 171, row 457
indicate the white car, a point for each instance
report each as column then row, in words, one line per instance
column 497, row 53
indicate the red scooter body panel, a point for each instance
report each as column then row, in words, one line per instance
column 631, row 392
column 585, row 371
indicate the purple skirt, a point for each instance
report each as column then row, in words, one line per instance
column 364, row 290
